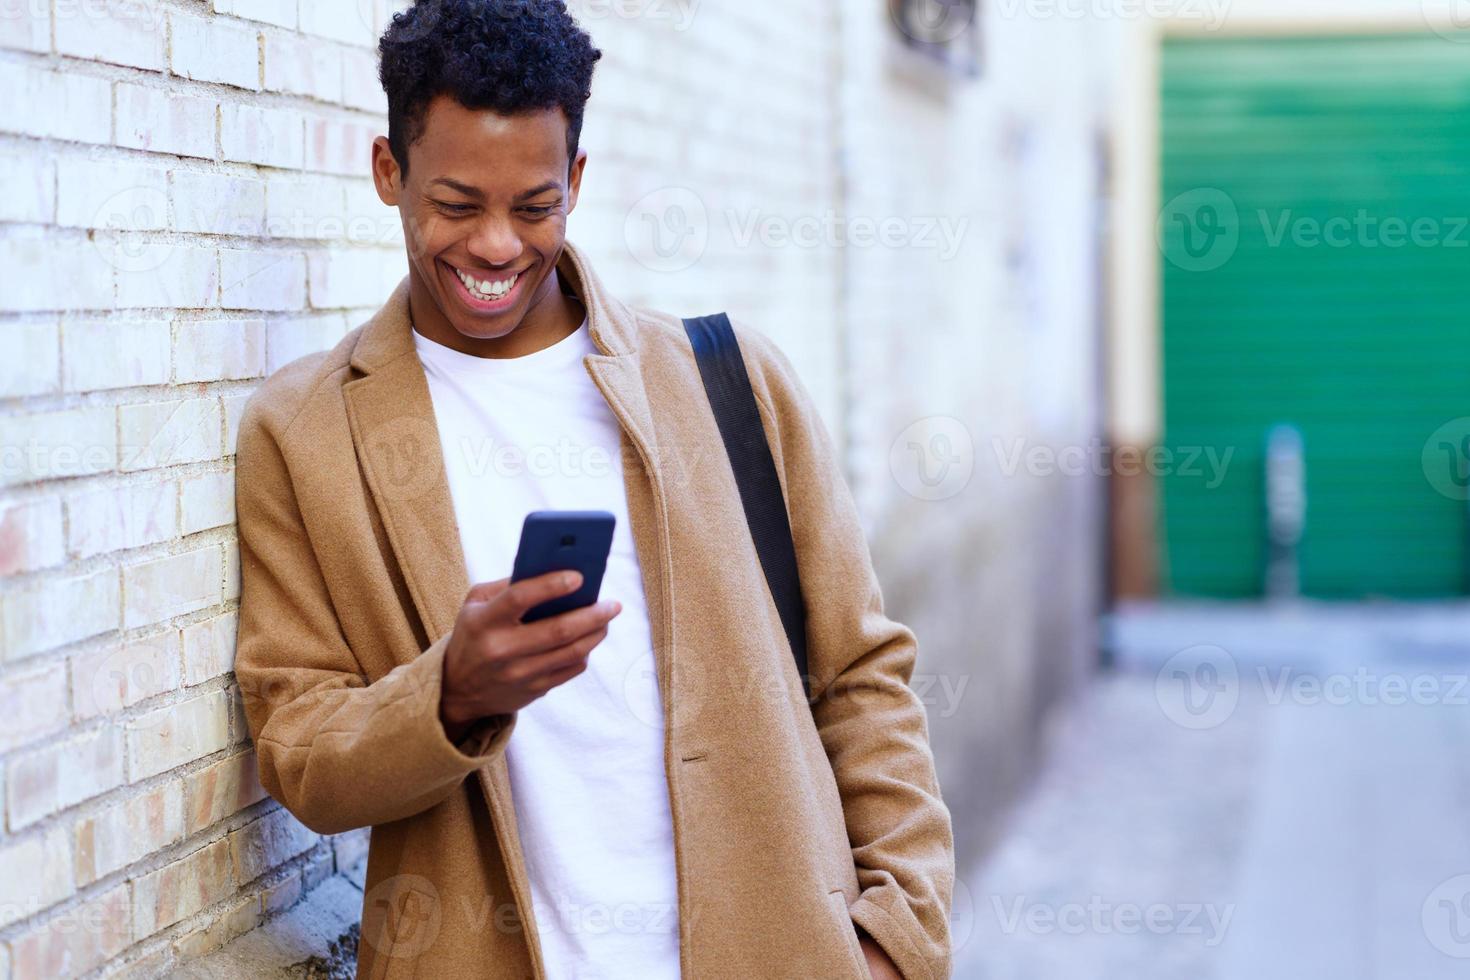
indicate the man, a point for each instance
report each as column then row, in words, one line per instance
column 634, row 789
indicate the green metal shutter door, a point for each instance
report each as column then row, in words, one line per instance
column 1362, row 345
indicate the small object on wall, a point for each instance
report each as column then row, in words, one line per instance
column 944, row 31
column 1286, row 511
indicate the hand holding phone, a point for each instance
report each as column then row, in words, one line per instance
column 497, row 661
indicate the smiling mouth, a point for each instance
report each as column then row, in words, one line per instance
column 487, row 290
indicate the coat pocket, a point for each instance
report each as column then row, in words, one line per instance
column 847, row 932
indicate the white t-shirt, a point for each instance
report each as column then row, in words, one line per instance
column 586, row 760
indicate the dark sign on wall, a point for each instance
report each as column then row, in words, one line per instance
column 946, row 31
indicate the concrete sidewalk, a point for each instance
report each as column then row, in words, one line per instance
column 1252, row 794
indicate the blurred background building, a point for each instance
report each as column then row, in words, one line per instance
column 1140, row 323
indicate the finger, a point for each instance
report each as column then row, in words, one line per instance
column 559, row 678
column 528, row 593
column 538, row 670
column 485, row 607
column 556, row 631
column 533, row 666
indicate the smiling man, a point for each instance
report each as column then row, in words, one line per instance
column 639, row 788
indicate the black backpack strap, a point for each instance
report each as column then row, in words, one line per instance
column 728, row 385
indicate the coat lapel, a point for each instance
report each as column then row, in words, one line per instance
column 392, row 419
column 397, row 439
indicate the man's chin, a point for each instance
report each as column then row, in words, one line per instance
column 483, row 329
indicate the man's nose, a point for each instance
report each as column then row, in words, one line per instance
column 495, row 241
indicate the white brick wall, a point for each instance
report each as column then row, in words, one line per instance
column 176, row 223
column 206, row 165
column 189, row 209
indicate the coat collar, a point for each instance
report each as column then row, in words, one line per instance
column 611, row 324
column 391, row 414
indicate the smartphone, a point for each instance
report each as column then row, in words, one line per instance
column 564, row 540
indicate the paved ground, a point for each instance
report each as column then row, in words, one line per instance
column 1251, row 794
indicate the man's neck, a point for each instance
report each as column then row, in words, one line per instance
column 549, row 321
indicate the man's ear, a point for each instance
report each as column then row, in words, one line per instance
column 386, row 176
column 574, row 179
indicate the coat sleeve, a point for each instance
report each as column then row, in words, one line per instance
column 337, row 752
column 871, row 722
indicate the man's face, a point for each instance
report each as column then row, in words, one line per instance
column 484, row 207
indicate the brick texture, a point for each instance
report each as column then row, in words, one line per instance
column 128, row 830
column 207, row 162
column 172, row 166
column 189, row 209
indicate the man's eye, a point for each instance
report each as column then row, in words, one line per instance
column 455, row 208
column 539, row 210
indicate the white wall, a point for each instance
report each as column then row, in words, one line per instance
column 191, row 209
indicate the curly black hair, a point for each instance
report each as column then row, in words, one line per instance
column 508, row 56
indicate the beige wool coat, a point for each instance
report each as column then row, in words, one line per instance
column 790, row 822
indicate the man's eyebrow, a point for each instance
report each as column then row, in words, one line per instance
column 474, row 192
column 550, row 185
column 455, row 185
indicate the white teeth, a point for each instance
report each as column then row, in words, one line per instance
column 485, row 289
